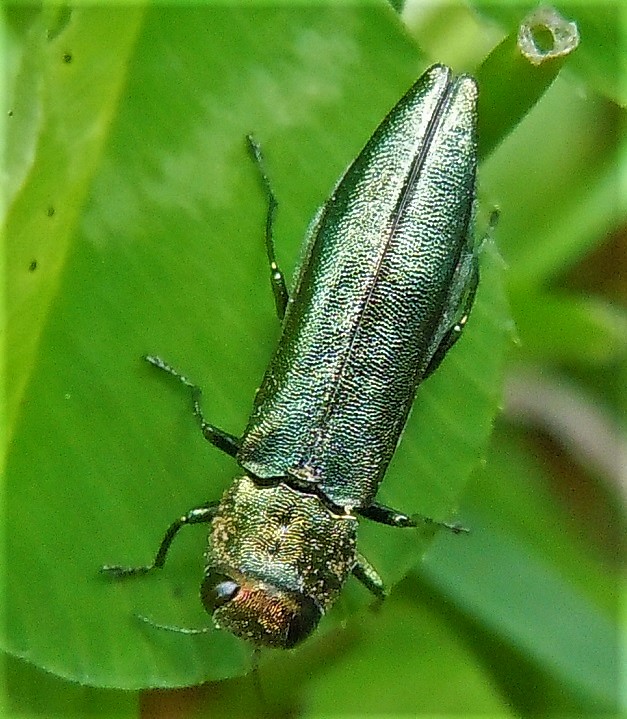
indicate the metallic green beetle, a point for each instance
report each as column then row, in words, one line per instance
column 386, row 285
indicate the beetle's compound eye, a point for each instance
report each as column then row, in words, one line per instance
column 217, row 589
column 303, row 622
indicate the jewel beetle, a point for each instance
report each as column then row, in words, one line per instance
column 387, row 282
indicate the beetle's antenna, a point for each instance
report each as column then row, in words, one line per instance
column 173, row 628
column 256, row 677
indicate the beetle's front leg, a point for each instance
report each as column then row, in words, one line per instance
column 198, row 515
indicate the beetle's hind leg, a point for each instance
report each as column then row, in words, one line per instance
column 218, row 437
column 277, row 278
column 461, row 297
column 454, row 332
column 386, row 515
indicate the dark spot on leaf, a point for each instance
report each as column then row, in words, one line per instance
column 67, row 57
column 50, row 211
column 33, row 266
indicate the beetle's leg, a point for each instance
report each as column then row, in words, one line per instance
column 197, row 515
column 368, row 576
column 386, row 515
column 461, row 297
column 277, row 277
column 468, row 278
column 218, row 437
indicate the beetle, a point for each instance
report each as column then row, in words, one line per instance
column 387, row 282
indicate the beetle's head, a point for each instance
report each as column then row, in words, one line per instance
column 258, row 611
column 276, row 561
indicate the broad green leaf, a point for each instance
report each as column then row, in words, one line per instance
column 166, row 255
column 588, row 211
column 63, row 93
column 29, row 693
column 403, row 659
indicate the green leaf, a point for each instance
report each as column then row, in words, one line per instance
column 527, row 579
column 162, row 251
column 581, row 221
column 396, row 668
column 63, row 93
column 29, row 693
column 560, row 327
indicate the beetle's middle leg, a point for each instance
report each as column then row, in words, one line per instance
column 228, row 443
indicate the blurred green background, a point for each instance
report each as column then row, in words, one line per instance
column 133, row 222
